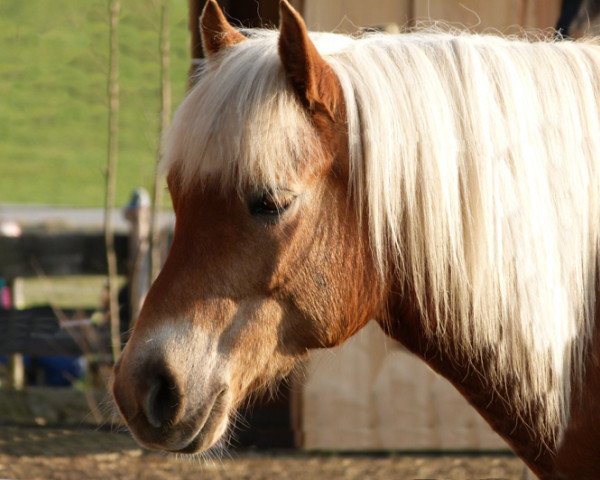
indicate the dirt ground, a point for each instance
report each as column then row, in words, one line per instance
column 75, row 454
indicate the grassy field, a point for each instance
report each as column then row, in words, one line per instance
column 53, row 108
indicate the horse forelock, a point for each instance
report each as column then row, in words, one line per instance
column 474, row 160
column 241, row 123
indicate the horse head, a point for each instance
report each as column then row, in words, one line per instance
column 268, row 253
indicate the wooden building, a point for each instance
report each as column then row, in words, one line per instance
column 371, row 394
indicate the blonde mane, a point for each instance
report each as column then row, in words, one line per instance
column 476, row 158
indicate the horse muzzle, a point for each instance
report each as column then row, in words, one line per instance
column 166, row 412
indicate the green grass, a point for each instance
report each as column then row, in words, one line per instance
column 53, row 104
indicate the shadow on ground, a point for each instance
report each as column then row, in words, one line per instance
column 44, row 441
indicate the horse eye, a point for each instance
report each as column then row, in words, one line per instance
column 270, row 205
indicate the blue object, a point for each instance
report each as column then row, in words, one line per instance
column 61, row 371
column 58, row 371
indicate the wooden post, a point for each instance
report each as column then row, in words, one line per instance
column 165, row 117
column 16, row 372
column 196, row 7
column 137, row 213
column 111, row 179
column 13, row 298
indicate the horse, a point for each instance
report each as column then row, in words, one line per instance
column 443, row 184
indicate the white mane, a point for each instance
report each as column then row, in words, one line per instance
column 477, row 159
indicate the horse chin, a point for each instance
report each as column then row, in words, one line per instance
column 210, row 430
column 197, row 432
column 208, row 436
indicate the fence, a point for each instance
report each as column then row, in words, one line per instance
column 50, row 309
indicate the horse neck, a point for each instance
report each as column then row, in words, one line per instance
column 488, row 396
column 573, row 455
column 579, row 451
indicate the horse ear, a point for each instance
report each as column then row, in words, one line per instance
column 217, row 32
column 306, row 70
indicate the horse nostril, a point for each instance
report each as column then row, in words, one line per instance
column 163, row 400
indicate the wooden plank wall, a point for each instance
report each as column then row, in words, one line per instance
column 371, row 394
column 478, row 15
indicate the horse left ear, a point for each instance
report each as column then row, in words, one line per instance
column 217, row 32
column 310, row 75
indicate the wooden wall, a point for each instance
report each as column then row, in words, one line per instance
column 506, row 16
column 371, row 394
column 479, row 15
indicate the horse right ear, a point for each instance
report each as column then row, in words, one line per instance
column 309, row 74
column 217, row 33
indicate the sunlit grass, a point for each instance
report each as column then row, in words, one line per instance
column 53, row 114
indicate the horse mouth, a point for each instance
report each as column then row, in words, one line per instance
column 209, row 427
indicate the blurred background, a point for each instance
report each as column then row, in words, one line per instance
column 67, row 133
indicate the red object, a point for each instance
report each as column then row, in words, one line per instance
column 5, row 297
